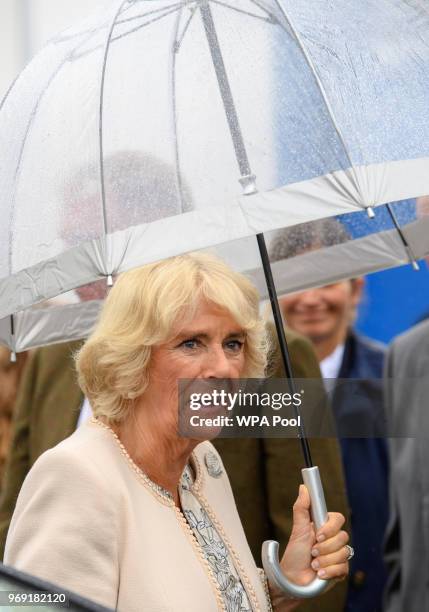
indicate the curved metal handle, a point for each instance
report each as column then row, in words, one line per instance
column 270, row 549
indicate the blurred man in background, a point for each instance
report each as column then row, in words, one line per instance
column 406, row 402
column 325, row 315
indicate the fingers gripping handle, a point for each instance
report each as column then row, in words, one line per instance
column 270, row 549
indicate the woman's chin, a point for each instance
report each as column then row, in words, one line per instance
column 204, row 424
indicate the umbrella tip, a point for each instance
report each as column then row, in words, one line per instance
column 415, row 265
column 370, row 212
column 13, row 357
column 109, row 280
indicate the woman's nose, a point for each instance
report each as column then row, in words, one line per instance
column 217, row 364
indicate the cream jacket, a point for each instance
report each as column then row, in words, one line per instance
column 90, row 521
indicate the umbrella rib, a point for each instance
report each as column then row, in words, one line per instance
column 234, row 8
column 317, row 80
column 115, row 38
column 178, row 41
column 409, row 251
column 60, row 38
column 174, row 49
column 159, row 10
column 142, row 25
column 271, row 17
column 100, row 115
column 64, row 37
column 11, row 86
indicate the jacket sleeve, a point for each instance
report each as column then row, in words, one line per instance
column 18, row 460
column 64, row 528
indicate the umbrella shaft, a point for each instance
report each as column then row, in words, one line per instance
column 282, row 339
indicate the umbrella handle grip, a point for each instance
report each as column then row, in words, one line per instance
column 270, row 549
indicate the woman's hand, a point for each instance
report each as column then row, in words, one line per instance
column 308, row 553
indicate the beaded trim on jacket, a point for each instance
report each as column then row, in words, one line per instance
column 162, row 494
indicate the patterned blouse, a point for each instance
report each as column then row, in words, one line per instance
column 215, row 551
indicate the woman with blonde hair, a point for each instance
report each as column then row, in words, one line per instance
column 126, row 511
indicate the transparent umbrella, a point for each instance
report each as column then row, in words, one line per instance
column 242, row 116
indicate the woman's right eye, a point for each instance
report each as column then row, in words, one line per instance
column 189, row 344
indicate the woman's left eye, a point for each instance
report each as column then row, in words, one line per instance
column 234, row 345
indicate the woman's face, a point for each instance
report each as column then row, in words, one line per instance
column 209, row 347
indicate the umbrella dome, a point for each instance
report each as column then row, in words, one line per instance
column 120, row 145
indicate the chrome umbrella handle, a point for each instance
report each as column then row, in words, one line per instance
column 270, row 549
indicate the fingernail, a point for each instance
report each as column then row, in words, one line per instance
column 315, row 565
column 321, row 573
column 321, row 538
column 315, row 552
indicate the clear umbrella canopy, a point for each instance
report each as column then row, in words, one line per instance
column 135, row 137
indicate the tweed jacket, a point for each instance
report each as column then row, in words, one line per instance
column 88, row 519
column 264, row 474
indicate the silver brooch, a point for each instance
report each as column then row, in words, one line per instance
column 213, row 465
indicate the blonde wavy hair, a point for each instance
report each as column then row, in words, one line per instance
column 143, row 310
